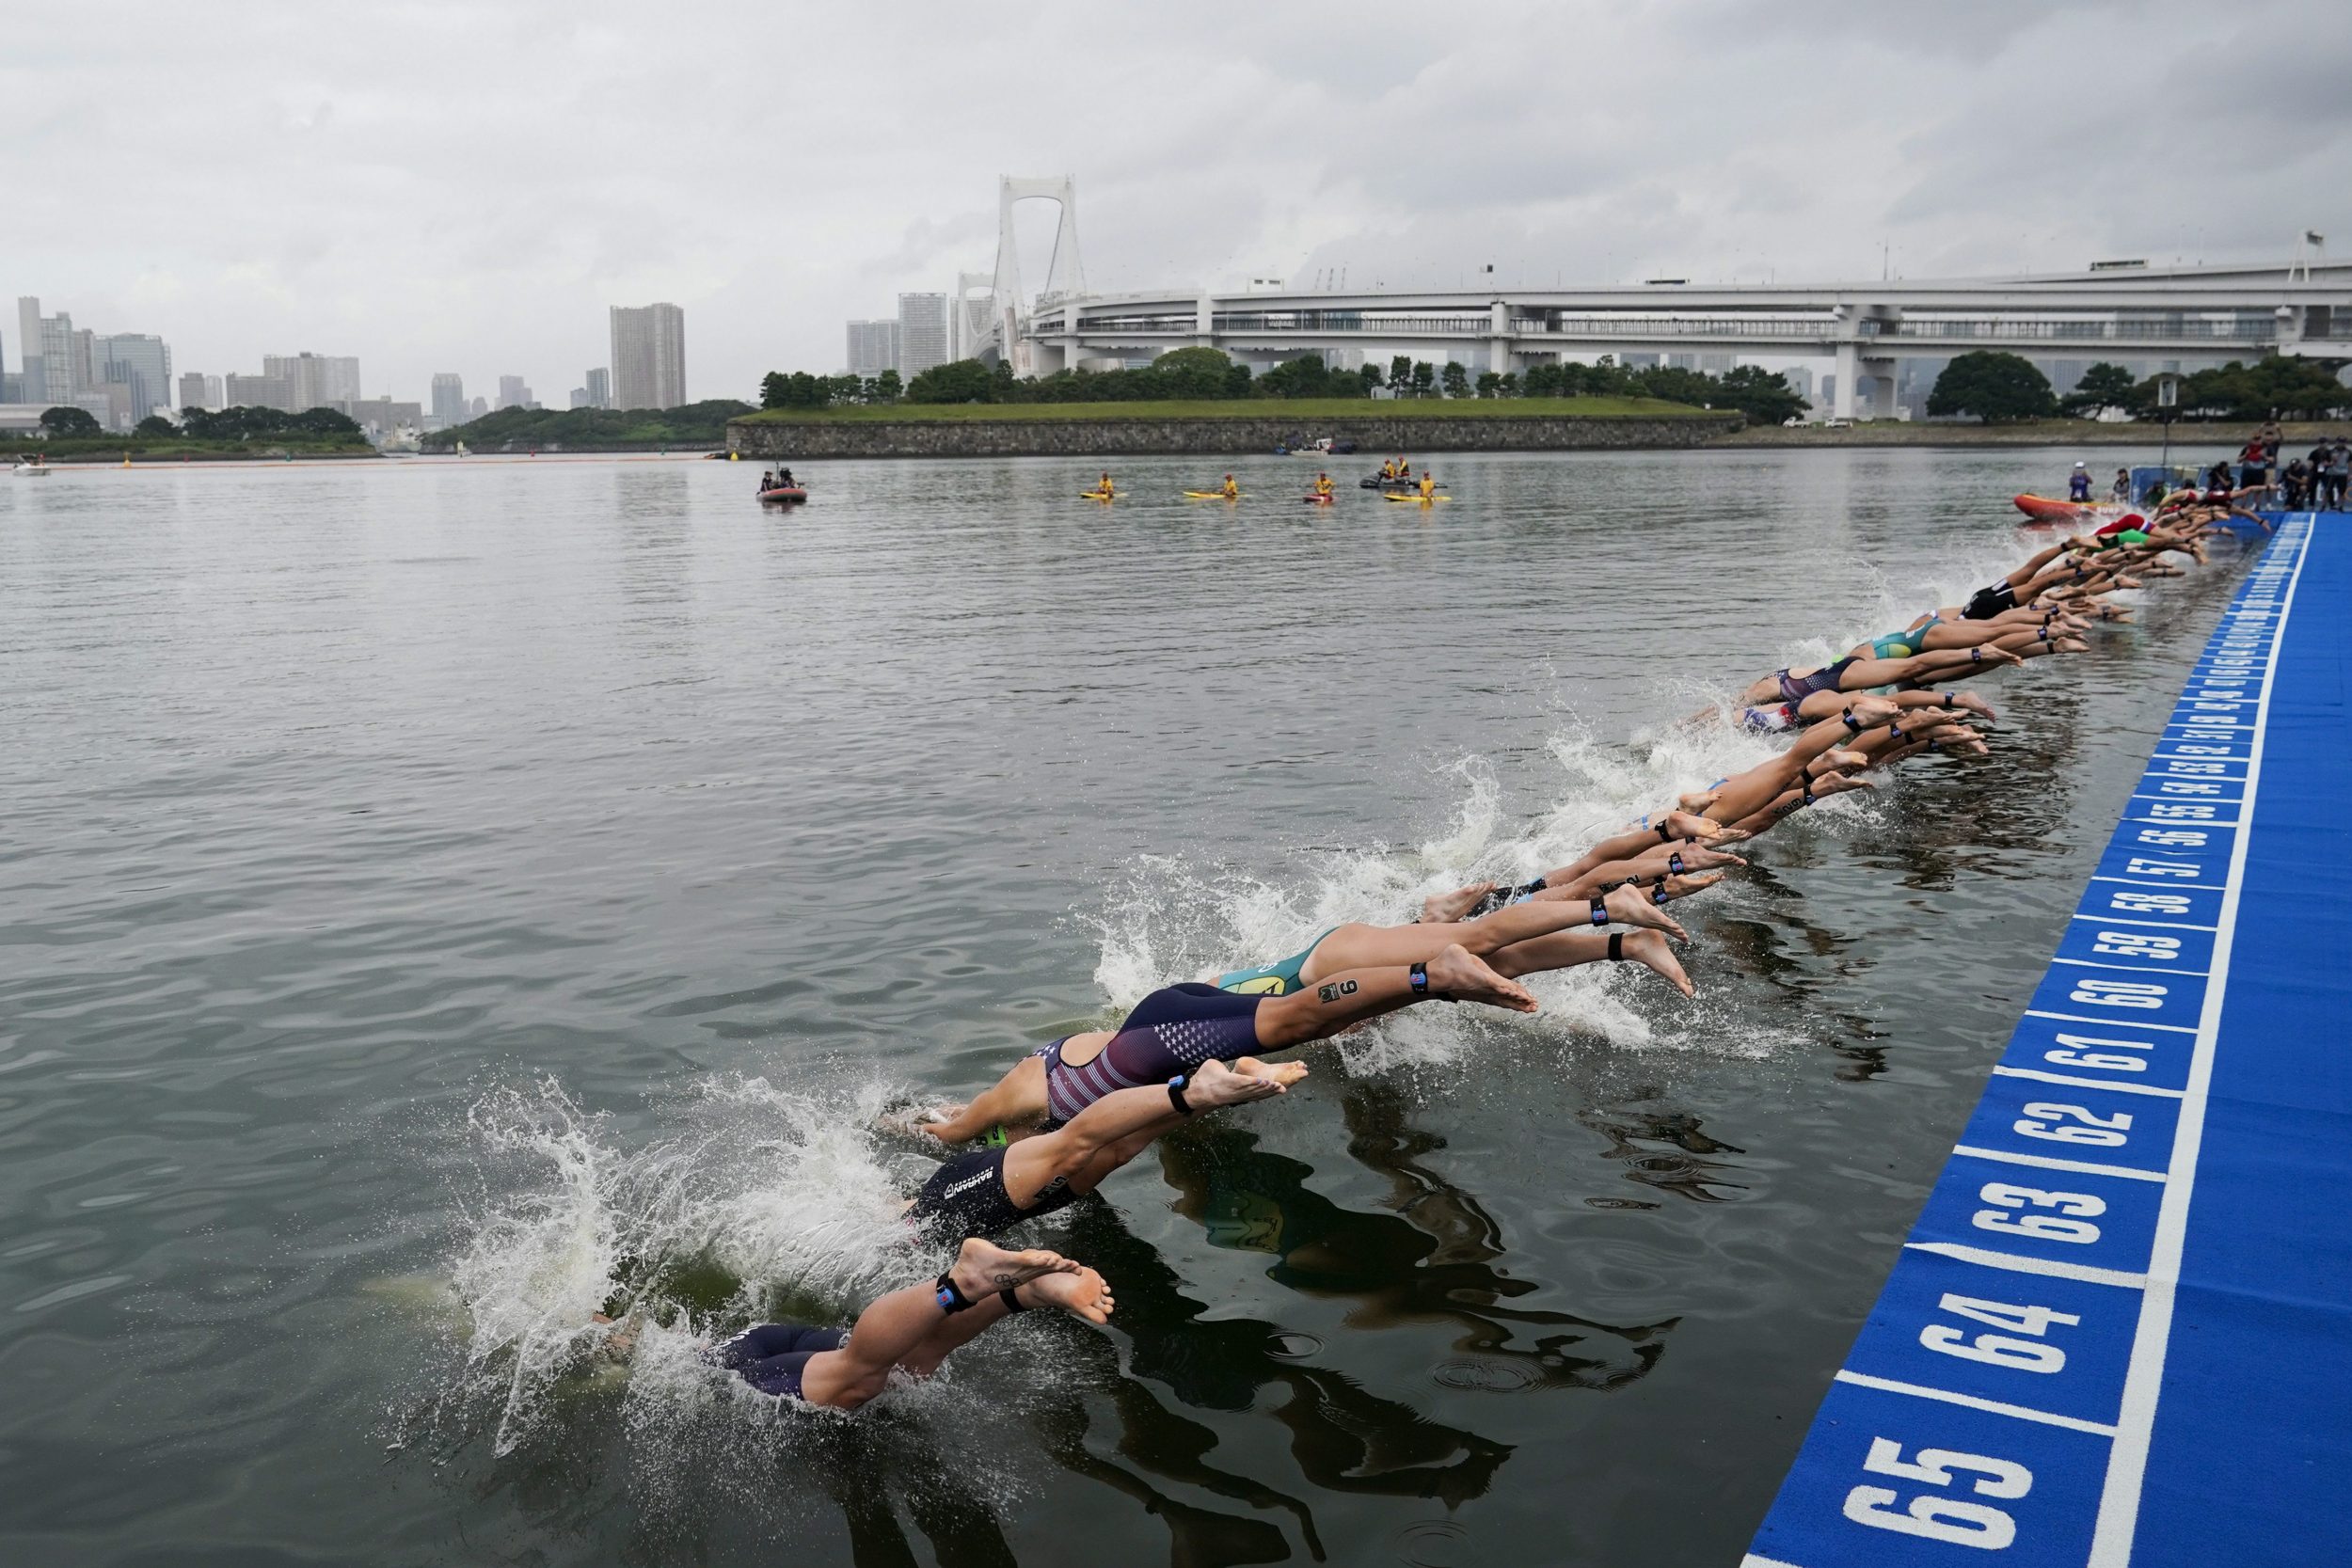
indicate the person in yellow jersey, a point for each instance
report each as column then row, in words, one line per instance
column 1388, row 469
column 1428, row 485
column 1232, row 489
column 1323, row 484
column 1103, row 489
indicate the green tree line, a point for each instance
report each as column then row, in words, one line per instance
column 1196, row 374
column 1995, row 385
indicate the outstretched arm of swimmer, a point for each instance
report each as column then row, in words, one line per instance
column 1019, row 1095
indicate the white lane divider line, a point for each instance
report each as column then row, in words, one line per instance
column 2023, row 1413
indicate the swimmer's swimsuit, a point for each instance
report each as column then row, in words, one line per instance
column 1896, row 645
column 1985, row 603
column 966, row 1198
column 1503, row 897
column 772, row 1356
column 2109, row 541
column 1796, row 689
column 1279, row 979
column 1173, row 1030
column 1768, row 720
column 1905, row 644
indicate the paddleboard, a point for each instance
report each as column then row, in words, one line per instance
column 1213, row 496
column 1096, row 496
column 1416, row 497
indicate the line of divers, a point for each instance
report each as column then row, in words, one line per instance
column 1070, row 1113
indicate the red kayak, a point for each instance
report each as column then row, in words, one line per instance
column 783, row 495
column 1317, row 501
column 2042, row 509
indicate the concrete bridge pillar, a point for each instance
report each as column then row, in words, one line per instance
column 1881, row 375
column 1849, row 371
column 1499, row 337
column 1204, row 323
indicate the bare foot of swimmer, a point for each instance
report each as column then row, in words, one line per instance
column 1649, row 949
column 1444, row 908
column 1631, row 906
column 1464, row 976
column 983, row 1268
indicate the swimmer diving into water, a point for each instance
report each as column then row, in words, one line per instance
column 1177, row 1028
column 911, row 1330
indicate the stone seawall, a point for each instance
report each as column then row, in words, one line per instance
column 1105, row 437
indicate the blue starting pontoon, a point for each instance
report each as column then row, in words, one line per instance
column 2121, row 1332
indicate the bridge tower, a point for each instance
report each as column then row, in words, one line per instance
column 1065, row 274
column 971, row 311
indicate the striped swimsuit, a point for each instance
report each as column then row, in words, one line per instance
column 1173, row 1030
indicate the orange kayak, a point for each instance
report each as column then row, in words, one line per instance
column 2043, row 508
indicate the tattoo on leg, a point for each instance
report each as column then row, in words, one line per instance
column 1335, row 989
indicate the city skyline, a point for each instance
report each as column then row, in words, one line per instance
column 346, row 227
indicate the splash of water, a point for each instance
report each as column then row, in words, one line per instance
column 1171, row 919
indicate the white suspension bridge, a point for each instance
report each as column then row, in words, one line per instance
column 2192, row 314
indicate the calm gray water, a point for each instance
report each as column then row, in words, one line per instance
column 434, row 889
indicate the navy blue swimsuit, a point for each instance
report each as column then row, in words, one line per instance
column 772, row 1358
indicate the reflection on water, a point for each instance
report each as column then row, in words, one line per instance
column 447, row 898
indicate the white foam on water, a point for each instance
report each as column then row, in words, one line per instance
column 786, row 1190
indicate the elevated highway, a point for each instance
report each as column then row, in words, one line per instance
column 2202, row 314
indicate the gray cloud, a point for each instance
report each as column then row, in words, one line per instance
column 438, row 187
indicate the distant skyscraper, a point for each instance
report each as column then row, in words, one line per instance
column 873, row 347
column 922, row 333
column 51, row 355
column 192, row 390
column 513, row 392
column 599, row 388
column 260, row 392
column 478, row 408
column 211, row 392
column 449, row 398
column 140, row 361
column 649, row 357
column 315, row 380
column 36, row 386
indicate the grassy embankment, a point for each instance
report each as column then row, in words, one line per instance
column 142, row 448
column 1302, row 412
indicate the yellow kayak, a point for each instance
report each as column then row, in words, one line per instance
column 1097, row 496
column 1386, row 497
column 1212, row 496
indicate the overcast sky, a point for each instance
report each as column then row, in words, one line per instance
column 468, row 186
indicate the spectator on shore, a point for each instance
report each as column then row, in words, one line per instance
column 2294, row 484
column 2121, row 492
column 2254, row 461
